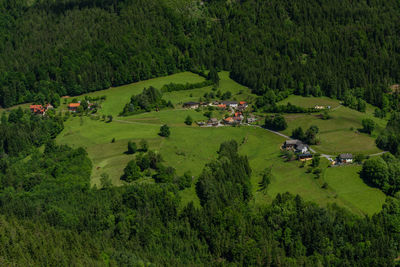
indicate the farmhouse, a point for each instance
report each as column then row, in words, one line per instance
column 233, row 104
column 319, row 107
column 345, row 158
column 301, row 148
column 222, row 106
column 37, row 109
column 213, row 122
column 305, row 156
column 229, row 120
column 73, row 106
column 192, row 105
column 295, row 145
column 291, row 144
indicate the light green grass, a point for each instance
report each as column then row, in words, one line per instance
column 191, row 147
column 341, row 133
column 349, row 187
column 310, row 102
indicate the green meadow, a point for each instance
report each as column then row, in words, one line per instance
column 339, row 134
column 189, row 148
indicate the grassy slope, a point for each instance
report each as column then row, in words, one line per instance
column 346, row 182
column 190, row 147
column 339, row 134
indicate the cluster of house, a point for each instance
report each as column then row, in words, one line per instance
column 304, row 154
column 299, row 148
column 39, row 109
column 239, row 106
column 321, row 107
column 73, row 107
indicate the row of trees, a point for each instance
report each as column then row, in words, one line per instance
column 150, row 99
column 311, row 48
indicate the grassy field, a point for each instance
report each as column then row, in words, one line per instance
column 339, row 134
column 349, row 187
column 310, row 102
column 191, row 147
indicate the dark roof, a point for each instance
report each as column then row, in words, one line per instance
column 229, row 102
column 305, row 155
column 191, row 103
column 301, row 146
column 214, row 120
column 346, row 156
column 293, row 142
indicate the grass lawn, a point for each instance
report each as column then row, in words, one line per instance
column 339, row 134
column 349, row 187
column 191, row 147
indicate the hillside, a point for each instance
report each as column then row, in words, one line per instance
column 51, row 48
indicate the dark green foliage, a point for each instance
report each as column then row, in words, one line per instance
column 226, row 180
column 213, row 76
column 298, row 133
column 368, row 126
column 325, row 115
column 150, row 99
column 131, row 172
column 164, row 131
column 316, row 160
column 132, row 148
column 184, row 181
column 24, row 131
column 276, row 122
column 144, row 146
column 355, row 103
column 311, row 135
column 382, row 172
column 265, row 179
column 226, row 95
column 389, row 139
column 288, row 108
column 188, row 120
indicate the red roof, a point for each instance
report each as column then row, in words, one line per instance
column 222, row 106
column 237, row 114
column 37, row 109
column 229, row 119
column 242, row 102
column 74, row 105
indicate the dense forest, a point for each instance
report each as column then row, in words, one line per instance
column 50, row 47
column 50, row 215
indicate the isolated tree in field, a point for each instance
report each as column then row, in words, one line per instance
column 326, row 115
column 368, row 126
column 316, row 160
column 213, row 76
column 164, row 131
column 298, row 133
column 276, row 123
column 375, row 171
column 131, row 172
column 110, row 118
column 311, row 135
column 132, row 148
column 188, row 120
column 144, row 146
column 266, row 179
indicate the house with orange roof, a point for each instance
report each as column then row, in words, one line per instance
column 73, row 106
column 223, row 106
column 37, row 109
